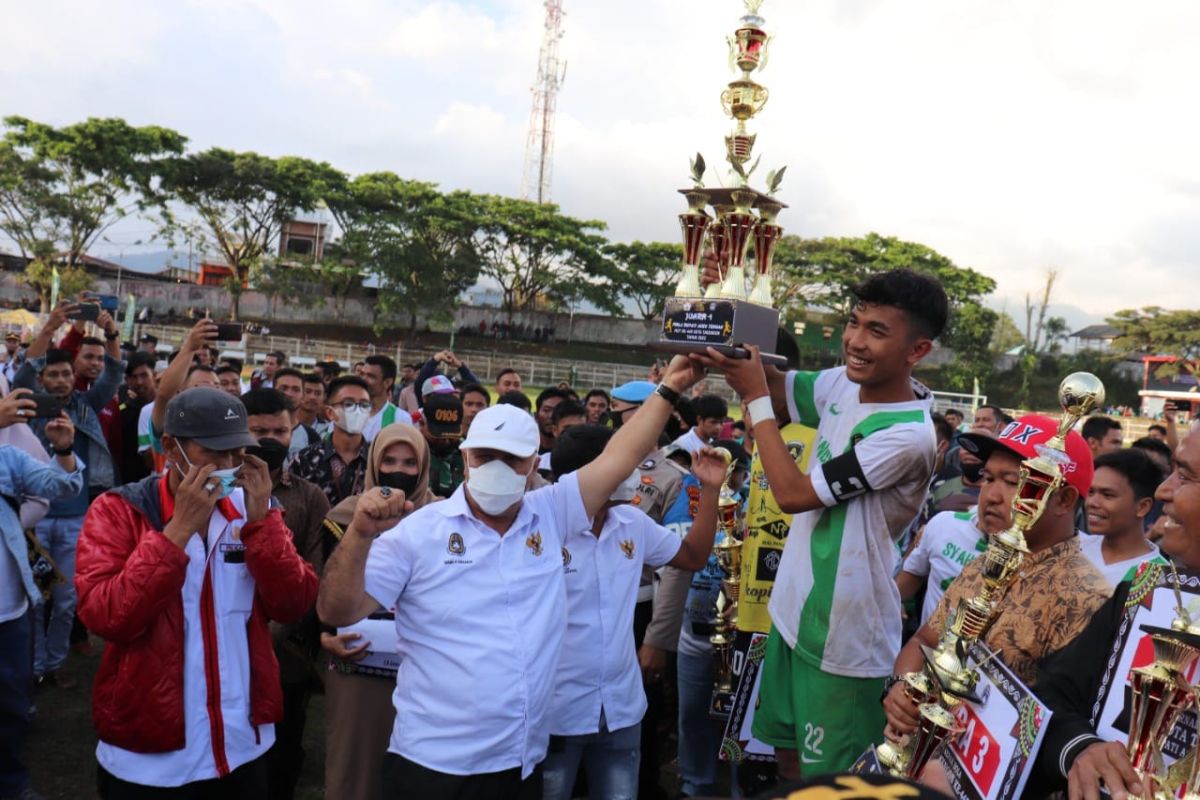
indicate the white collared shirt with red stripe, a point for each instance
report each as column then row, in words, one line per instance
column 218, row 595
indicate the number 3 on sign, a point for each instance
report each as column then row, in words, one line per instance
column 977, row 750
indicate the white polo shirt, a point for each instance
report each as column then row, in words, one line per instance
column 480, row 619
column 599, row 668
column 691, row 442
column 230, row 599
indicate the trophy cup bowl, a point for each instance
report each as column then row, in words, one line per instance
column 748, row 47
column 718, row 239
column 743, row 99
column 934, row 729
column 766, row 239
column 738, row 226
column 1159, row 694
column 894, row 757
column 694, row 225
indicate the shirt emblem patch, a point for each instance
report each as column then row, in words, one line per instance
column 566, row 554
column 456, row 546
column 627, row 548
column 534, row 543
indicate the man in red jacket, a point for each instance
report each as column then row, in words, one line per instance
column 180, row 574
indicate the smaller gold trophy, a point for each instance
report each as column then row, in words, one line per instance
column 726, row 315
column 1159, row 694
column 948, row 679
column 729, row 556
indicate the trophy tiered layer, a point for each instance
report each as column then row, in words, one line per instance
column 727, row 314
column 948, row 679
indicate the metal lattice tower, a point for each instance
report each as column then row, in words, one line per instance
column 539, row 146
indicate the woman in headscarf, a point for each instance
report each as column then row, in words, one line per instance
column 358, row 698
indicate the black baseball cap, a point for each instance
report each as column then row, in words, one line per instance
column 148, row 337
column 443, row 415
column 210, row 417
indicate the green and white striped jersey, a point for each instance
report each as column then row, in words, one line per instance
column 835, row 600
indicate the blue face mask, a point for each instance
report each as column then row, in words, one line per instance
column 224, row 478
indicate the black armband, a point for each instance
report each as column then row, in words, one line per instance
column 845, row 477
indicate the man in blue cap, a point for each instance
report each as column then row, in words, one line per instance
column 627, row 398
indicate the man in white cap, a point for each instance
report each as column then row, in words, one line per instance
column 477, row 585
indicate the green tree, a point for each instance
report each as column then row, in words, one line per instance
column 824, row 272
column 540, row 257
column 1006, row 335
column 416, row 240
column 242, row 201
column 62, row 188
column 644, row 273
column 1157, row 331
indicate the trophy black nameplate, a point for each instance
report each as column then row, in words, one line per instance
column 693, row 325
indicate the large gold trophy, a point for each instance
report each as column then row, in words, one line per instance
column 948, row 679
column 729, row 556
column 726, row 315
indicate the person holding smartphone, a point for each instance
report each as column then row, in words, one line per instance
column 59, row 531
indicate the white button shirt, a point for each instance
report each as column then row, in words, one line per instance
column 479, row 622
column 599, row 668
column 231, row 599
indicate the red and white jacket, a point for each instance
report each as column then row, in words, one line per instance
column 202, row 611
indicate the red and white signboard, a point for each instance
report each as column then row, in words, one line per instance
column 994, row 755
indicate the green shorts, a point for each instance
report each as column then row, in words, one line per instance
column 830, row 719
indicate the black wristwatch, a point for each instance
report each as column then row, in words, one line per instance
column 112, row 336
column 64, row 453
column 888, row 683
column 667, row 393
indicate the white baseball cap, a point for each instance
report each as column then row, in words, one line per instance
column 505, row 428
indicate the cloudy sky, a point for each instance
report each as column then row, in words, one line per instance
column 1012, row 136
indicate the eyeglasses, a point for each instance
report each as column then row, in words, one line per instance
column 350, row 405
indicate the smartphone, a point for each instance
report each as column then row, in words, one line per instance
column 108, row 302
column 88, row 312
column 229, row 332
column 49, row 406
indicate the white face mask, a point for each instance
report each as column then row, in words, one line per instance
column 495, row 486
column 627, row 489
column 354, row 421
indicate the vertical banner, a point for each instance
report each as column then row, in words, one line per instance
column 739, row 743
column 130, row 315
column 54, row 287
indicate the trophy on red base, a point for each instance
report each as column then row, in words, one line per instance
column 727, row 315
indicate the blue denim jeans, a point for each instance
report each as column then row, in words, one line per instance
column 16, row 680
column 59, row 536
column 610, row 760
column 699, row 734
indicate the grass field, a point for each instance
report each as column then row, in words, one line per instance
column 61, row 747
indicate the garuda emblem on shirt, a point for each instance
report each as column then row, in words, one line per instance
column 627, row 548
column 456, row 546
column 534, row 543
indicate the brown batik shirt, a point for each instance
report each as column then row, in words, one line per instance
column 1052, row 599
